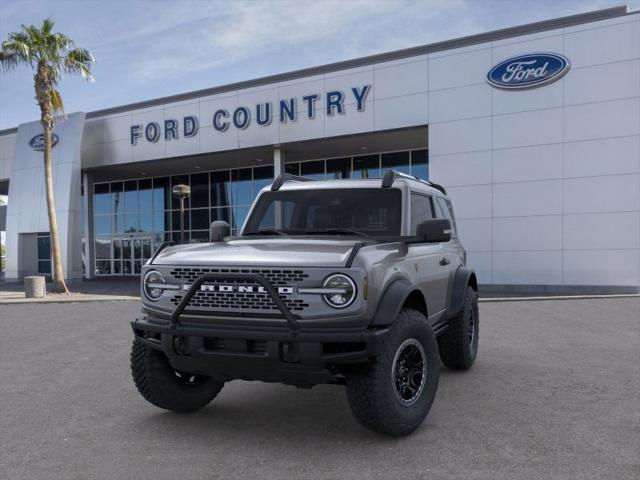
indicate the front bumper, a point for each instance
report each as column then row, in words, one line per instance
column 302, row 357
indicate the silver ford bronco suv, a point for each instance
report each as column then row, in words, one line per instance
column 361, row 283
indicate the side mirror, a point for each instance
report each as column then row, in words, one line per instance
column 435, row 230
column 219, row 230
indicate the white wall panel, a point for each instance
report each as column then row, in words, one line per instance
column 473, row 201
column 528, row 268
column 351, row 122
column 456, row 70
column 304, row 128
column 547, row 41
column 615, row 193
column 460, row 136
column 527, row 198
column 549, row 96
column 399, row 112
column 475, row 233
column 602, row 267
column 601, row 120
column 602, row 231
column 602, row 82
column 481, row 264
column 471, row 168
column 608, row 156
column 403, row 79
column 542, row 232
column 459, row 103
column 540, row 162
column 345, row 83
column 603, row 45
column 527, row 128
column 212, row 140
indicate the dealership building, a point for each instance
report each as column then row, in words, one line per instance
column 534, row 131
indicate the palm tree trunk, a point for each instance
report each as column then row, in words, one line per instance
column 59, row 284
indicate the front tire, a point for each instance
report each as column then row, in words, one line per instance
column 163, row 386
column 459, row 343
column 394, row 393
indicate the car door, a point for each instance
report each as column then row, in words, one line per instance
column 425, row 258
column 453, row 252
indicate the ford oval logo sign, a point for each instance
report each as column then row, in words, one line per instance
column 37, row 142
column 528, row 71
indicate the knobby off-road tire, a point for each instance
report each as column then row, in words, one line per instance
column 164, row 387
column 375, row 391
column 459, row 343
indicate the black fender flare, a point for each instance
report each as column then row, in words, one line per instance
column 392, row 301
column 464, row 277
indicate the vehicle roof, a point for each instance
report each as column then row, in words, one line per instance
column 413, row 185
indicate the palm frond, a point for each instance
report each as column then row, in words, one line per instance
column 79, row 61
column 56, row 101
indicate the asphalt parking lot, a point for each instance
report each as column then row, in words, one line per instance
column 555, row 394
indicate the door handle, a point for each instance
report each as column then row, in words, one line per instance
column 444, row 261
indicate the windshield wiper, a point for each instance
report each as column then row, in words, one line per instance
column 337, row 231
column 266, row 231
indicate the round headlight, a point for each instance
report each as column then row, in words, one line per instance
column 150, row 285
column 344, row 290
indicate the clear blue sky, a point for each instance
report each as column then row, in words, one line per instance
column 149, row 49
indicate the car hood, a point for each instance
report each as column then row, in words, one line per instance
column 261, row 252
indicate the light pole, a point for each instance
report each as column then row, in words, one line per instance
column 182, row 192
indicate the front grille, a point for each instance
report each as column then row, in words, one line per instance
column 277, row 277
column 240, row 301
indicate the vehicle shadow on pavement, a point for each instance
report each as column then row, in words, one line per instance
column 251, row 411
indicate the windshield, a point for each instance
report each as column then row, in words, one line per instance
column 374, row 212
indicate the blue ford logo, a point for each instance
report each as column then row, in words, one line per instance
column 37, row 142
column 528, row 71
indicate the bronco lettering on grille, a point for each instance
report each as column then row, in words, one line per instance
column 240, row 289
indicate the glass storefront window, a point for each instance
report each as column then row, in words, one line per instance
column 420, row 164
column 145, row 211
column 338, row 168
column 241, row 188
column 200, row 190
column 101, row 200
column 175, row 220
column 131, row 203
column 102, row 224
column 292, row 168
column 220, row 191
column 367, row 166
column 313, row 169
column 145, row 195
column 117, row 191
column 161, row 194
column 262, row 177
column 397, row 161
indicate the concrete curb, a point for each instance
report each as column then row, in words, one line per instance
column 555, row 297
column 69, row 299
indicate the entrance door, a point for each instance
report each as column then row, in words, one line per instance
column 130, row 253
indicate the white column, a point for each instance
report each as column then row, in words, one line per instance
column 278, row 161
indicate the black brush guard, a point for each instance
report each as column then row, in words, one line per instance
column 246, row 277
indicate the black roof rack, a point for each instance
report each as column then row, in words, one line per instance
column 286, row 177
column 391, row 175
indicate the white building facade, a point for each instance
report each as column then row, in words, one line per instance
column 533, row 130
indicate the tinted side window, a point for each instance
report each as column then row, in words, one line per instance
column 446, row 211
column 421, row 210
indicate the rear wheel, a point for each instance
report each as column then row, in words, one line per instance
column 459, row 343
column 166, row 387
column 394, row 393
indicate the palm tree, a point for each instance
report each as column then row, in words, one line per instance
column 50, row 55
